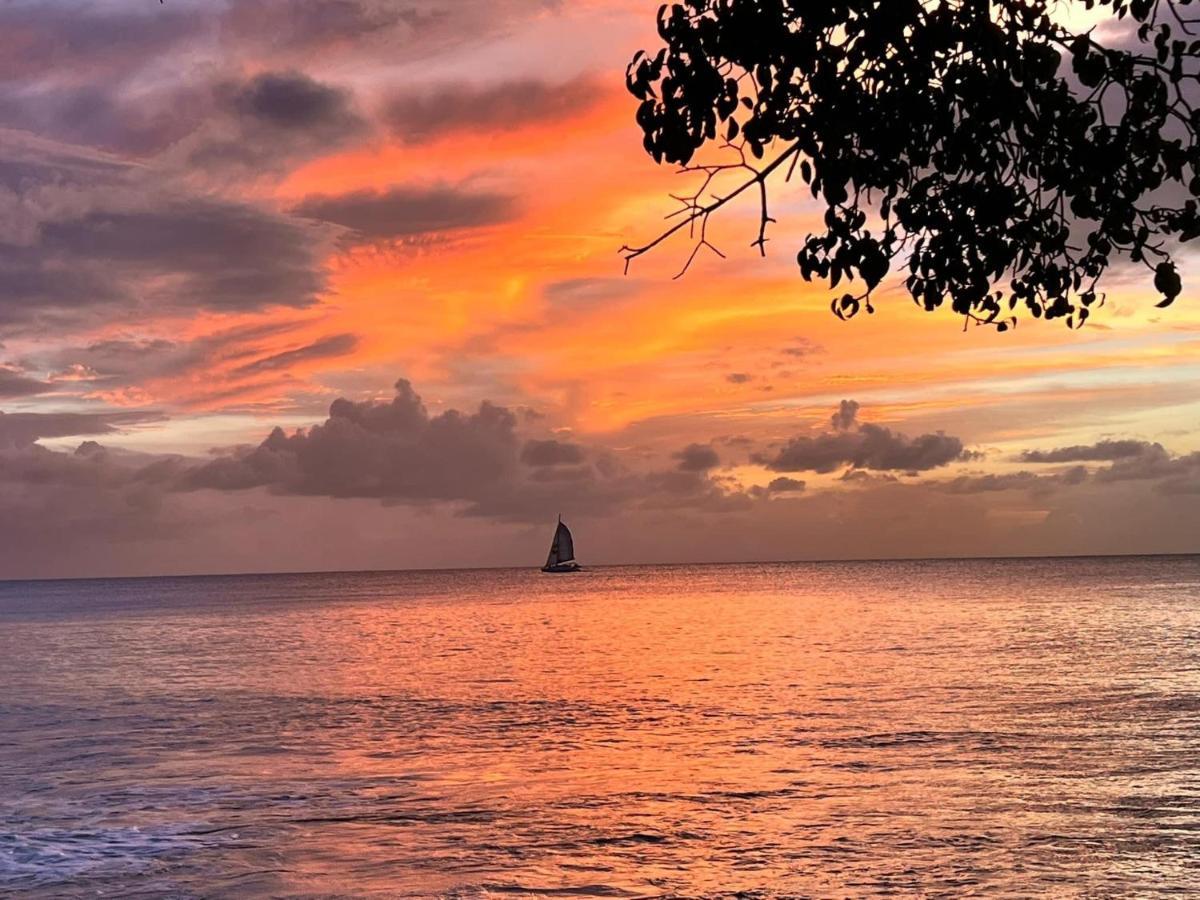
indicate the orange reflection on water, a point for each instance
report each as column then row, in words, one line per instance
column 825, row 729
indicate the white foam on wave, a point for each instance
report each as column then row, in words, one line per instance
column 43, row 856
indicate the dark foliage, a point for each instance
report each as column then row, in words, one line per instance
column 998, row 158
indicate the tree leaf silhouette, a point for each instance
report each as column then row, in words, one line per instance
column 1000, row 159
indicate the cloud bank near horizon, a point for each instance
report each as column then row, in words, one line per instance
column 494, row 465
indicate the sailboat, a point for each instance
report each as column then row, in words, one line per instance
column 562, row 552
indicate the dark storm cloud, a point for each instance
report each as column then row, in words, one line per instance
column 15, row 383
column 89, row 39
column 143, row 81
column 43, row 180
column 1102, row 451
column 114, row 358
column 551, row 453
column 862, row 446
column 72, row 71
column 206, row 254
column 1155, row 462
column 82, row 233
column 139, row 78
column 405, row 212
column 24, row 428
column 861, row 476
column 119, row 362
column 1012, row 481
column 91, row 503
column 1128, row 460
column 413, row 28
column 845, row 416
column 697, row 458
column 292, row 100
column 785, row 485
column 304, row 25
column 271, row 122
column 736, row 440
column 397, row 452
column 104, row 117
column 681, row 488
column 386, row 450
column 482, row 464
column 1074, row 475
column 779, row 486
column 220, row 255
column 76, row 38
column 89, row 465
column 454, row 108
column 330, row 347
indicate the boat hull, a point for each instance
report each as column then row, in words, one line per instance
column 562, row 568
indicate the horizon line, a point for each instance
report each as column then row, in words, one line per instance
column 534, row 568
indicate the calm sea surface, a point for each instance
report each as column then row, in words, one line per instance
column 933, row 728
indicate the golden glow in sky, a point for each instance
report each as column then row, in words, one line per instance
column 261, row 209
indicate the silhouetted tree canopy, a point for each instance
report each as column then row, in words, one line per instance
column 999, row 158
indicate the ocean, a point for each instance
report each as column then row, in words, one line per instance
column 941, row 729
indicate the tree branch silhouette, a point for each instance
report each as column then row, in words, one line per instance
column 695, row 212
column 1000, row 158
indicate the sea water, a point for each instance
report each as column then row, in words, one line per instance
column 841, row 729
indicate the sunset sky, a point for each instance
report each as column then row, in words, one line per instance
column 391, row 231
